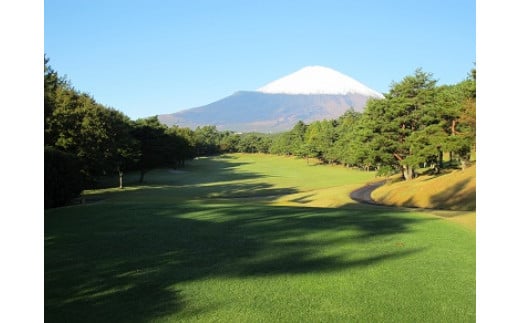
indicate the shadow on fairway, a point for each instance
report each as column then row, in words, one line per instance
column 124, row 262
column 196, row 172
column 205, row 178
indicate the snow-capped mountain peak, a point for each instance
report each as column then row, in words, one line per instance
column 318, row 80
column 310, row 94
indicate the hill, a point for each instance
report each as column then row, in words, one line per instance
column 455, row 191
column 452, row 191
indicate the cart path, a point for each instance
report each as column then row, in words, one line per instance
column 363, row 194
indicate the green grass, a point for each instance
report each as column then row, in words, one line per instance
column 221, row 242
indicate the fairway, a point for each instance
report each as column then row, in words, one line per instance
column 253, row 238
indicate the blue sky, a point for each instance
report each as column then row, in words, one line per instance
column 152, row 57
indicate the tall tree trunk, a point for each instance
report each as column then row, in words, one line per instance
column 120, row 178
column 441, row 165
column 408, row 172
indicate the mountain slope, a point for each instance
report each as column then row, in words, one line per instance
column 263, row 112
column 310, row 94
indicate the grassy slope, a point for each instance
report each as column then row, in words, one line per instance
column 452, row 191
column 201, row 245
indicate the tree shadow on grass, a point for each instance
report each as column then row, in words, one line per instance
column 195, row 172
column 455, row 198
column 452, row 197
column 231, row 190
column 125, row 259
column 214, row 177
column 114, row 263
column 303, row 199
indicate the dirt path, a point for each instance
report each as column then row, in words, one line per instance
column 362, row 195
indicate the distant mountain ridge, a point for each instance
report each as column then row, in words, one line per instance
column 310, row 94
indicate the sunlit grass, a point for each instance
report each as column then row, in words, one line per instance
column 232, row 239
column 245, row 176
column 455, row 190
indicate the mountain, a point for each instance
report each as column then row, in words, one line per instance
column 318, row 80
column 309, row 94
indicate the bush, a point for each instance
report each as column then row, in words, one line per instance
column 63, row 180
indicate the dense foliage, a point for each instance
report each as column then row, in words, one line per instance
column 99, row 137
column 100, row 140
column 414, row 124
column 62, row 177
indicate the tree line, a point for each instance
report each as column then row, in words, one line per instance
column 414, row 124
column 85, row 140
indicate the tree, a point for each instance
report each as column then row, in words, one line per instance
column 323, row 139
column 465, row 129
column 374, row 141
column 229, row 142
column 297, row 140
column 151, row 135
column 107, row 141
column 51, row 82
column 184, row 139
column 100, row 137
column 391, row 124
column 264, row 144
column 207, row 140
column 455, row 114
column 344, row 148
column 248, row 143
column 62, row 177
column 281, row 144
